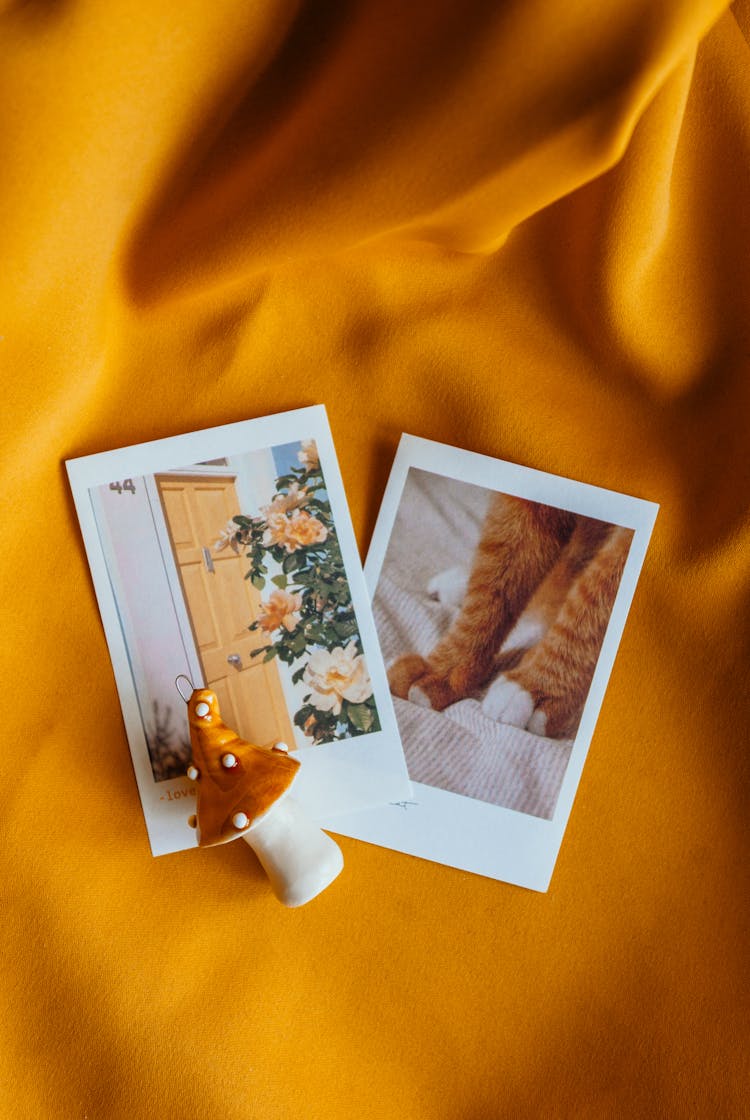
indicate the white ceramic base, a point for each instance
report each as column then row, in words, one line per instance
column 299, row 858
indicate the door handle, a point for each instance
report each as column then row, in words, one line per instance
column 235, row 659
column 208, row 560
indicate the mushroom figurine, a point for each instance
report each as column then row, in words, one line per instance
column 243, row 790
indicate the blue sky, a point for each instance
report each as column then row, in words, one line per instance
column 285, row 457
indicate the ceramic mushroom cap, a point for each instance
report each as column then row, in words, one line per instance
column 237, row 782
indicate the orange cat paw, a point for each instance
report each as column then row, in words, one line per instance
column 411, row 678
column 404, row 672
column 435, row 691
column 556, row 718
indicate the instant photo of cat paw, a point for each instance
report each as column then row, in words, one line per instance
column 500, row 595
column 492, row 610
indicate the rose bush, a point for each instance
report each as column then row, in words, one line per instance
column 308, row 616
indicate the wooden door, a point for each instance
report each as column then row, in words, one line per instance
column 221, row 604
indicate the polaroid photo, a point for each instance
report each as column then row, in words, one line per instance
column 500, row 595
column 228, row 556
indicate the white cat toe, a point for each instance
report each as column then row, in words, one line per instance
column 418, row 697
column 538, row 723
column 507, row 702
column 449, row 586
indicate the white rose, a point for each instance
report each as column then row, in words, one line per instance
column 337, row 675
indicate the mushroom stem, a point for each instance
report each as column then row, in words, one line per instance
column 299, row 858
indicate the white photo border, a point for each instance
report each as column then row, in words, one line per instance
column 335, row 778
column 447, row 827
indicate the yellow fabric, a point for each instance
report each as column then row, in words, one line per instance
column 519, row 227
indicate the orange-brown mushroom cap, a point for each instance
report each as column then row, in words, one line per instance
column 251, row 785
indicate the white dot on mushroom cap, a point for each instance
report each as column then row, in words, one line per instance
column 193, row 773
column 202, row 709
column 240, row 820
column 228, row 761
column 281, row 747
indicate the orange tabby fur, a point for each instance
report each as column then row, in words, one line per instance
column 563, row 567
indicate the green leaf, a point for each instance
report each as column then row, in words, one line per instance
column 280, row 581
column 360, row 715
column 257, row 581
column 270, row 653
